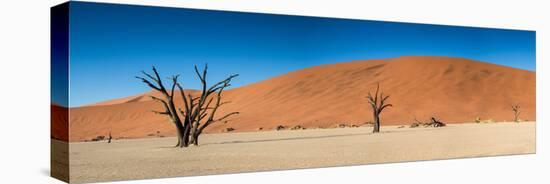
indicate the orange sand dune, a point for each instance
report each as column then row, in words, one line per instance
column 453, row 89
column 59, row 122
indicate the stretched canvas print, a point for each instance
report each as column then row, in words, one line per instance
column 150, row 92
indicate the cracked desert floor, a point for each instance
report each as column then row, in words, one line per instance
column 293, row 149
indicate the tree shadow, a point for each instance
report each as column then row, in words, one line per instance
column 288, row 139
column 306, row 137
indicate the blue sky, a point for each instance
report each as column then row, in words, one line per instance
column 110, row 44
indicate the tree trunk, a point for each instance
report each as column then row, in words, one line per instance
column 180, row 129
column 196, row 140
column 192, row 140
column 180, row 138
column 185, row 141
column 186, row 130
column 193, row 136
column 376, row 125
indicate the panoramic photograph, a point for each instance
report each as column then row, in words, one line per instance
column 155, row 92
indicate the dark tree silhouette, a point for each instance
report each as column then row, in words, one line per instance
column 516, row 110
column 378, row 104
column 109, row 138
column 203, row 112
column 197, row 113
column 435, row 123
column 167, row 101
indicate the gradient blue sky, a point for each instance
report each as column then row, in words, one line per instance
column 110, row 44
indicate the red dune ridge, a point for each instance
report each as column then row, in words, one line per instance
column 455, row 90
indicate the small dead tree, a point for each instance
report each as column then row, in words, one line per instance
column 435, row 123
column 417, row 123
column 109, row 138
column 516, row 110
column 378, row 103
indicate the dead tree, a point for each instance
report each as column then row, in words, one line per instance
column 203, row 113
column 515, row 108
column 109, row 138
column 435, row 123
column 417, row 123
column 378, row 103
column 198, row 112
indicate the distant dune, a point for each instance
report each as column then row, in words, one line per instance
column 59, row 122
column 455, row 90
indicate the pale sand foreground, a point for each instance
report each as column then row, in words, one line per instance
column 276, row 150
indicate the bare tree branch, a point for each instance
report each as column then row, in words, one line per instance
column 227, row 115
column 174, row 83
column 150, row 77
column 387, row 105
column 151, row 85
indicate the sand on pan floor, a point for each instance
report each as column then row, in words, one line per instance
column 276, row 150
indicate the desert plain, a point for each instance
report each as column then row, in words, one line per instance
column 237, row 152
